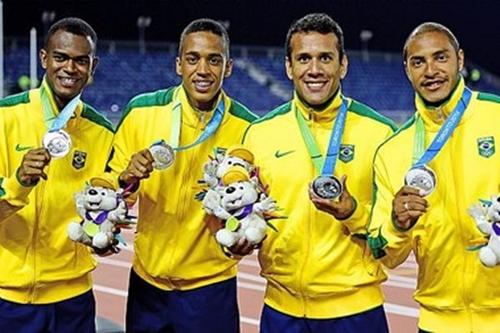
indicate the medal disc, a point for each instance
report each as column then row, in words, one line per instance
column 58, row 143
column 163, row 155
column 327, row 187
column 422, row 178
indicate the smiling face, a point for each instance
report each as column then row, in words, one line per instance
column 69, row 62
column 203, row 66
column 238, row 195
column 315, row 66
column 433, row 65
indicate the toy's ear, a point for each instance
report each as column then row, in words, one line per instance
column 254, row 181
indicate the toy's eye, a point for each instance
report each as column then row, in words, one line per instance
column 222, row 197
column 103, row 193
column 230, row 162
column 241, row 187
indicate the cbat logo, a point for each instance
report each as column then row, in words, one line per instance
column 346, row 153
column 79, row 158
column 486, row 146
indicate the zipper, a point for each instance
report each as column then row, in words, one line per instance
column 183, row 197
column 465, row 286
column 308, row 248
column 40, row 211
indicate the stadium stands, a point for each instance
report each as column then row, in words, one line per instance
column 258, row 79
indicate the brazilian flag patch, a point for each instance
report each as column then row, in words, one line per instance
column 486, row 146
column 346, row 153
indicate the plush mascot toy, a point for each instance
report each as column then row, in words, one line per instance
column 233, row 156
column 241, row 204
column 101, row 209
column 487, row 218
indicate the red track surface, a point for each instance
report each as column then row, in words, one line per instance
column 111, row 282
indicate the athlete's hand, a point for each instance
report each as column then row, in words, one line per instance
column 407, row 207
column 341, row 209
column 31, row 169
column 242, row 248
column 139, row 167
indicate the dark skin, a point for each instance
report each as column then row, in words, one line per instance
column 69, row 61
column 32, row 166
column 140, row 167
column 407, row 207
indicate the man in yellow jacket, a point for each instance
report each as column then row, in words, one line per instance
column 320, row 274
column 181, row 280
column 447, row 157
column 45, row 280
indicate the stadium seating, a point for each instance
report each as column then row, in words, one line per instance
column 258, row 80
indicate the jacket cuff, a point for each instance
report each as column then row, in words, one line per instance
column 356, row 222
column 16, row 194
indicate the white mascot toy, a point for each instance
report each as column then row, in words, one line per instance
column 101, row 209
column 487, row 218
column 233, row 156
column 239, row 202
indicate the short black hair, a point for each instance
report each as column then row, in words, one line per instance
column 431, row 27
column 206, row 24
column 315, row 22
column 75, row 26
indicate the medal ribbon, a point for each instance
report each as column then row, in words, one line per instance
column 324, row 166
column 56, row 123
column 421, row 158
column 210, row 129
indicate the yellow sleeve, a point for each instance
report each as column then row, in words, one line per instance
column 123, row 149
column 388, row 243
column 357, row 222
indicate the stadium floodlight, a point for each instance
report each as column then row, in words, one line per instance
column 365, row 36
column 143, row 22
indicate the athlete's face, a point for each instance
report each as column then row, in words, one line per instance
column 433, row 65
column 69, row 62
column 203, row 66
column 315, row 66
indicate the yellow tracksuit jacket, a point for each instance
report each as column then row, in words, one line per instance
column 174, row 249
column 455, row 291
column 39, row 263
column 316, row 266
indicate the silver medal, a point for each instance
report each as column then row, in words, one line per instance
column 422, row 178
column 327, row 187
column 163, row 154
column 58, row 143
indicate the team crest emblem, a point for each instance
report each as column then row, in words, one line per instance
column 346, row 153
column 79, row 159
column 486, row 146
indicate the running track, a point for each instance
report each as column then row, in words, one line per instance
column 111, row 281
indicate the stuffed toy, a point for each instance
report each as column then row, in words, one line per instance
column 487, row 218
column 101, row 209
column 217, row 166
column 240, row 202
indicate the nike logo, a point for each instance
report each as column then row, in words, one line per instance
column 22, row 148
column 279, row 154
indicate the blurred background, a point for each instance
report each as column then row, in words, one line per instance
column 138, row 45
column 137, row 48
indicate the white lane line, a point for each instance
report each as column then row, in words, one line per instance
column 252, row 277
column 250, row 321
column 112, row 291
column 114, row 262
column 401, row 310
column 251, row 286
column 249, row 262
column 394, row 280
